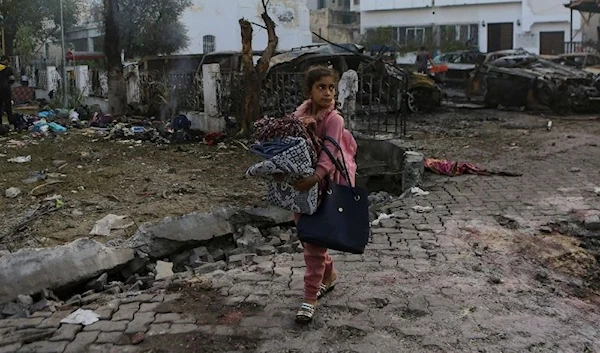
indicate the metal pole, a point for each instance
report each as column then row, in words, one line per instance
column 64, row 57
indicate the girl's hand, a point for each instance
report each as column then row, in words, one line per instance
column 279, row 177
column 307, row 183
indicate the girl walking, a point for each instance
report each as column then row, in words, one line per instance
column 320, row 86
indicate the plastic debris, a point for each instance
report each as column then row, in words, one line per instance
column 110, row 222
column 81, row 317
column 381, row 217
column 20, row 159
column 12, row 193
column 418, row 192
column 422, row 209
column 57, row 127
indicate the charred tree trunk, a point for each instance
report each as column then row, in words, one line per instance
column 117, row 96
column 254, row 76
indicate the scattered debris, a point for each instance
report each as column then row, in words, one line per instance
column 109, row 223
column 416, row 191
column 423, row 209
column 35, row 177
column 12, row 193
column 163, row 270
column 575, row 170
column 20, row 159
column 81, row 317
column 597, row 191
column 381, row 217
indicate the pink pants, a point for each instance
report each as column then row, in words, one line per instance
column 318, row 266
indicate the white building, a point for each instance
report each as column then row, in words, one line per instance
column 539, row 26
column 213, row 24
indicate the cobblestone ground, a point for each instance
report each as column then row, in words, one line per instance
column 482, row 272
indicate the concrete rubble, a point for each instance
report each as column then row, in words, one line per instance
column 56, row 267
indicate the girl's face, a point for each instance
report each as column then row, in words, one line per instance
column 322, row 92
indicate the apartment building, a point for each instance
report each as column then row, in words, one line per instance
column 335, row 20
column 539, row 26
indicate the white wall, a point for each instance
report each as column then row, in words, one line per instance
column 220, row 18
column 534, row 16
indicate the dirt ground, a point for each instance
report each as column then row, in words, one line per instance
column 147, row 182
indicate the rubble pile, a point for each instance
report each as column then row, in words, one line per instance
column 86, row 271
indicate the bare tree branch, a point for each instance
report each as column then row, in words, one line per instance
column 258, row 25
column 263, row 64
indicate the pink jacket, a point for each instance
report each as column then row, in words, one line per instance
column 331, row 123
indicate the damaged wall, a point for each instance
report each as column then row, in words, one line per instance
column 335, row 26
column 220, row 19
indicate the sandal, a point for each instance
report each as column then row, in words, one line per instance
column 305, row 314
column 324, row 289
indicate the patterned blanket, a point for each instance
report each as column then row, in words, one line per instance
column 295, row 163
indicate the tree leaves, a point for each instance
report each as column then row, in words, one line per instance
column 40, row 17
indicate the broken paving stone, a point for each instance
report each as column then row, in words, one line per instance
column 12, row 193
column 287, row 248
column 210, row 267
column 575, row 170
column 25, row 299
column 274, row 241
column 546, row 229
column 163, row 270
column 217, row 254
column 136, row 266
column 251, row 239
column 12, row 309
column 99, row 283
column 266, row 250
column 241, row 259
column 592, row 222
column 39, row 305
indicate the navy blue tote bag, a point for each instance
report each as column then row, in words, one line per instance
column 342, row 219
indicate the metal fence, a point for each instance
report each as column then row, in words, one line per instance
column 378, row 107
column 183, row 90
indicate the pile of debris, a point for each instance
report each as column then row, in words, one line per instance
column 86, row 271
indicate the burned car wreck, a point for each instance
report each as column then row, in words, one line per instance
column 379, row 82
column 526, row 80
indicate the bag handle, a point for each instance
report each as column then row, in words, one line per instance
column 341, row 167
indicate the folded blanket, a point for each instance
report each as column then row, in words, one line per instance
column 295, row 163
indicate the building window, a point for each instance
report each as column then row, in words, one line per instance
column 209, row 44
column 356, row 2
column 460, row 33
column 321, row 4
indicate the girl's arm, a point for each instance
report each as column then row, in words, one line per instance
column 335, row 130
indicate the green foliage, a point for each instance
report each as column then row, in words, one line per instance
column 39, row 19
column 150, row 27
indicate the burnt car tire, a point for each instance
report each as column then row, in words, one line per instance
column 419, row 100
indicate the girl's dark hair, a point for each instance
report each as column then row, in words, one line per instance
column 316, row 73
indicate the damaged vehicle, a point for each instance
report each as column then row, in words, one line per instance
column 522, row 79
column 460, row 64
column 417, row 92
column 589, row 62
